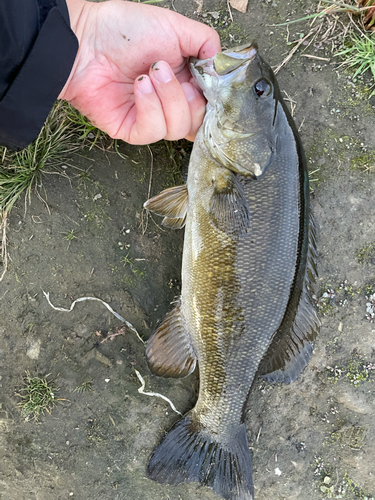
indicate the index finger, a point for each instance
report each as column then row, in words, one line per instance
column 196, row 39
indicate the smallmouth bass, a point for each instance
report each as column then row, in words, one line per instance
column 248, row 265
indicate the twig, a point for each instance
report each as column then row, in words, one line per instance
column 230, row 11
column 81, row 299
column 200, row 5
column 334, row 8
column 73, row 220
column 43, row 201
column 292, row 103
column 311, row 16
column 111, row 336
column 144, row 226
column 316, row 57
column 34, row 217
column 141, row 391
column 151, row 167
column 302, row 122
column 4, row 253
column 294, row 49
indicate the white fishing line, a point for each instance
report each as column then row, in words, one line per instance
column 130, row 326
column 141, row 391
column 82, row 299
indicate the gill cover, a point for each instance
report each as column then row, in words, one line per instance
column 238, row 128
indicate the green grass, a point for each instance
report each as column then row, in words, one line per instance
column 82, row 126
column 313, row 178
column 366, row 253
column 21, row 171
column 69, row 237
column 358, row 51
column 129, row 262
column 37, row 397
column 335, row 7
column 359, row 54
column 84, row 387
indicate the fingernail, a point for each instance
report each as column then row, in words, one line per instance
column 162, row 72
column 145, row 85
column 189, row 91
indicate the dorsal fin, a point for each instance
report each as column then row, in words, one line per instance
column 171, row 202
column 290, row 351
column 169, row 352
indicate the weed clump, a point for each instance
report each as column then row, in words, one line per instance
column 366, row 253
column 84, row 387
column 356, row 371
column 20, row 171
column 37, row 397
column 359, row 53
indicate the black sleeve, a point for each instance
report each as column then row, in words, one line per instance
column 37, row 52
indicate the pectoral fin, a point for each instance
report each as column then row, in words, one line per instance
column 291, row 350
column 171, row 203
column 169, row 352
column 174, row 223
column 229, row 207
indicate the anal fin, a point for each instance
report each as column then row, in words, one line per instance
column 169, row 352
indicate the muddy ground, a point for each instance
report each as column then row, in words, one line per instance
column 310, row 440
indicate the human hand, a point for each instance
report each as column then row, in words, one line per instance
column 112, row 81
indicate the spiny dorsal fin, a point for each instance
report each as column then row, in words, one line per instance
column 229, row 207
column 169, row 352
column 171, row 202
column 291, row 351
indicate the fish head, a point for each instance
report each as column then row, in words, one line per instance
column 239, row 126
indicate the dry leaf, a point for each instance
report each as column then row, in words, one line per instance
column 240, row 5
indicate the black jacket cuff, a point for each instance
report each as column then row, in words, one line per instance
column 30, row 97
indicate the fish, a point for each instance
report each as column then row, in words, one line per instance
column 248, row 268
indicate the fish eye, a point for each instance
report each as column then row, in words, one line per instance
column 262, row 88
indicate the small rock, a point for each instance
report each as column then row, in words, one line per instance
column 33, row 349
column 95, row 354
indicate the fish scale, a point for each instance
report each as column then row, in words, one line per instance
column 247, row 268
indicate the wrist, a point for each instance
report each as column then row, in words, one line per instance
column 76, row 9
column 78, row 14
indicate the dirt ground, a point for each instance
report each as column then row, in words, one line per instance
column 310, row 440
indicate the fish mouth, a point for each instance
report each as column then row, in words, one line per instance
column 223, row 63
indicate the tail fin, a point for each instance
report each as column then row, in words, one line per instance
column 187, row 454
